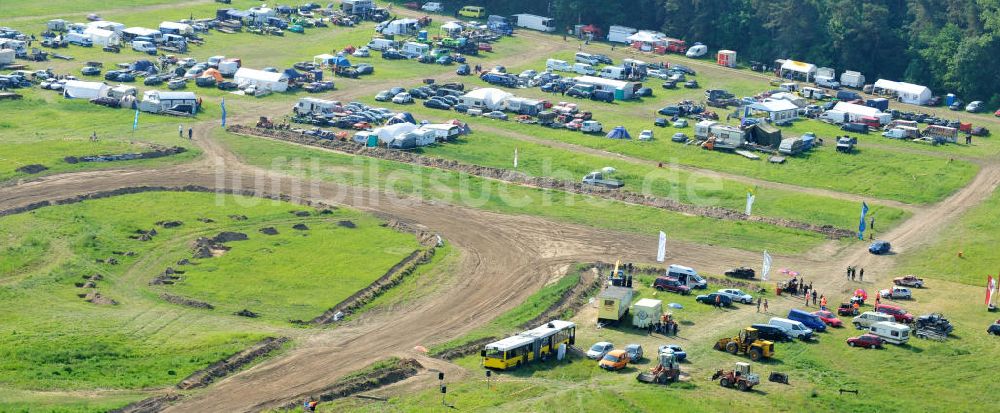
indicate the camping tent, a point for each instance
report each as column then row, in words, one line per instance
column 102, row 37
column 213, row 73
column 404, row 117
column 776, row 109
column 489, row 98
column 794, row 69
column 75, row 89
column 452, row 29
column 275, row 82
column 906, row 92
column 796, row 99
column 387, row 133
column 619, row 132
column 176, row 28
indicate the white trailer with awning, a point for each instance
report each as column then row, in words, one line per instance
column 905, row 92
column 798, row 70
column 76, row 89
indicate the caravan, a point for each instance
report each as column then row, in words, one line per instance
column 891, row 332
column 584, row 69
column 612, row 72
column 557, row 65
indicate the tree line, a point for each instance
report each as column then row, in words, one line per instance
column 948, row 45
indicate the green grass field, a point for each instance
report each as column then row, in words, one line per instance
column 443, row 186
column 50, row 339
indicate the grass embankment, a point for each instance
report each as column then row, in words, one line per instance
column 51, row 339
column 443, row 186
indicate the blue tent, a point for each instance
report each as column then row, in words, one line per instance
column 404, row 117
column 340, row 61
column 292, row 74
column 619, row 132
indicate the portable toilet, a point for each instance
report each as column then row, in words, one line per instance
column 726, row 58
column 646, row 312
column 422, row 36
column 949, row 99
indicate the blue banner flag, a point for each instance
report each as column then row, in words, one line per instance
column 223, row 112
column 861, row 225
column 135, row 122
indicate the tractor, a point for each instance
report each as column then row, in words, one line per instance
column 666, row 371
column 741, row 378
column 749, row 343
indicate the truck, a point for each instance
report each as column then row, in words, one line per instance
column 620, row 34
column 902, row 132
column 533, row 22
column 852, row 79
column 846, row 144
column 499, row 25
column 613, row 304
column 598, row 179
column 827, row 77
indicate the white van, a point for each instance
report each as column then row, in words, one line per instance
column 79, row 39
column 697, row 50
column 144, row 47
column 687, row 276
column 792, row 327
column 868, row 318
column 558, row 65
column 584, row 69
column 381, row 44
column 585, row 58
column 612, row 72
column 891, row 332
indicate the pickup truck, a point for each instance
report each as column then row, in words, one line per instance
column 598, row 179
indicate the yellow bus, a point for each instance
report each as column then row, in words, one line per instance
column 474, row 12
column 528, row 346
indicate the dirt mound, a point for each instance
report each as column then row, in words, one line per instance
column 228, row 236
column 152, row 404
column 300, row 227
column 402, row 370
column 95, row 297
column 327, row 211
column 125, row 253
column 213, row 247
column 466, row 349
column 269, row 231
column 206, row 220
column 167, row 277
column 247, row 313
column 186, row 301
column 238, row 217
column 169, row 224
column 32, row 169
column 231, row 364
column 300, row 213
column 143, row 235
column 184, row 261
column 347, row 224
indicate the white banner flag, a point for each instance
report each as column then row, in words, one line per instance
column 661, row 253
column 515, row 158
column 750, row 199
column 766, row 268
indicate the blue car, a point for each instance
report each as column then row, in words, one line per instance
column 880, row 247
column 679, row 354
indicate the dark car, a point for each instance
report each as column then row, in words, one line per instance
column 670, row 84
column 670, row 111
column 418, row 93
column 227, row 85
column 90, row 71
column 866, row 341
column 994, row 329
column 364, row 69
column 772, row 333
column 712, row 297
column 671, row 284
column 691, row 84
column 602, row 59
column 855, row 127
column 392, row 55
column 880, row 247
column 152, row 80
column 603, row 96
column 661, row 122
column 436, row 104
column 644, row 92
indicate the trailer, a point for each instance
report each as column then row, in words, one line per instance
column 852, row 79
column 533, row 22
column 620, row 34
column 613, row 304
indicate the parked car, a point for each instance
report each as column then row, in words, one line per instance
column 496, row 114
column 909, row 281
column 384, row 96
column 671, row 284
column 679, row 353
column 679, row 137
column 736, row 294
column 847, row 309
column 997, row 113
column 772, row 332
column 402, row 98
column 681, row 123
column 599, row 349
column 432, row 7
column 644, row 92
column 152, row 80
column 810, row 320
column 793, row 328
column 880, row 247
column 711, row 298
column 896, row 293
column 974, row 106
column 646, row 135
column 436, row 104
column 364, row 69
column 994, row 328
column 634, row 352
column 362, row 51
column 898, row 313
column 670, row 84
column 614, row 360
column 661, row 122
column 90, row 71
column 691, row 84
column 829, row 318
column 866, row 341
column 868, row 318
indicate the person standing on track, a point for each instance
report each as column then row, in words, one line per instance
column 190, row 133
column 180, row 131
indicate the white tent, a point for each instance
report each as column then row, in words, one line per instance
column 107, row 25
column 275, row 82
column 855, row 112
column 176, row 28
column 645, row 37
column 806, row 70
column 387, row 133
column 490, row 98
column 75, row 89
column 451, row 26
column 102, row 37
column 323, row 59
column 906, row 92
column 776, row 109
column 796, row 99
column 6, row 56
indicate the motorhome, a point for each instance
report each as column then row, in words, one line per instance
column 313, row 106
column 612, row 72
column 687, row 276
column 381, row 44
column 891, row 332
column 533, row 22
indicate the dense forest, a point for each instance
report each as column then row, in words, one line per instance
column 948, row 45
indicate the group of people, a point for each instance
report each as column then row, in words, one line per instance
column 853, row 273
column 761, row 301
column 180, row 132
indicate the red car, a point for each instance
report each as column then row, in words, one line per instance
column 485, row 47
column 909, row 281
column 997, row 113
column 828, row 318
column 362, row 126
column 866, row 341
column 671, row 284
column 575, row 124
column 899, row 314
